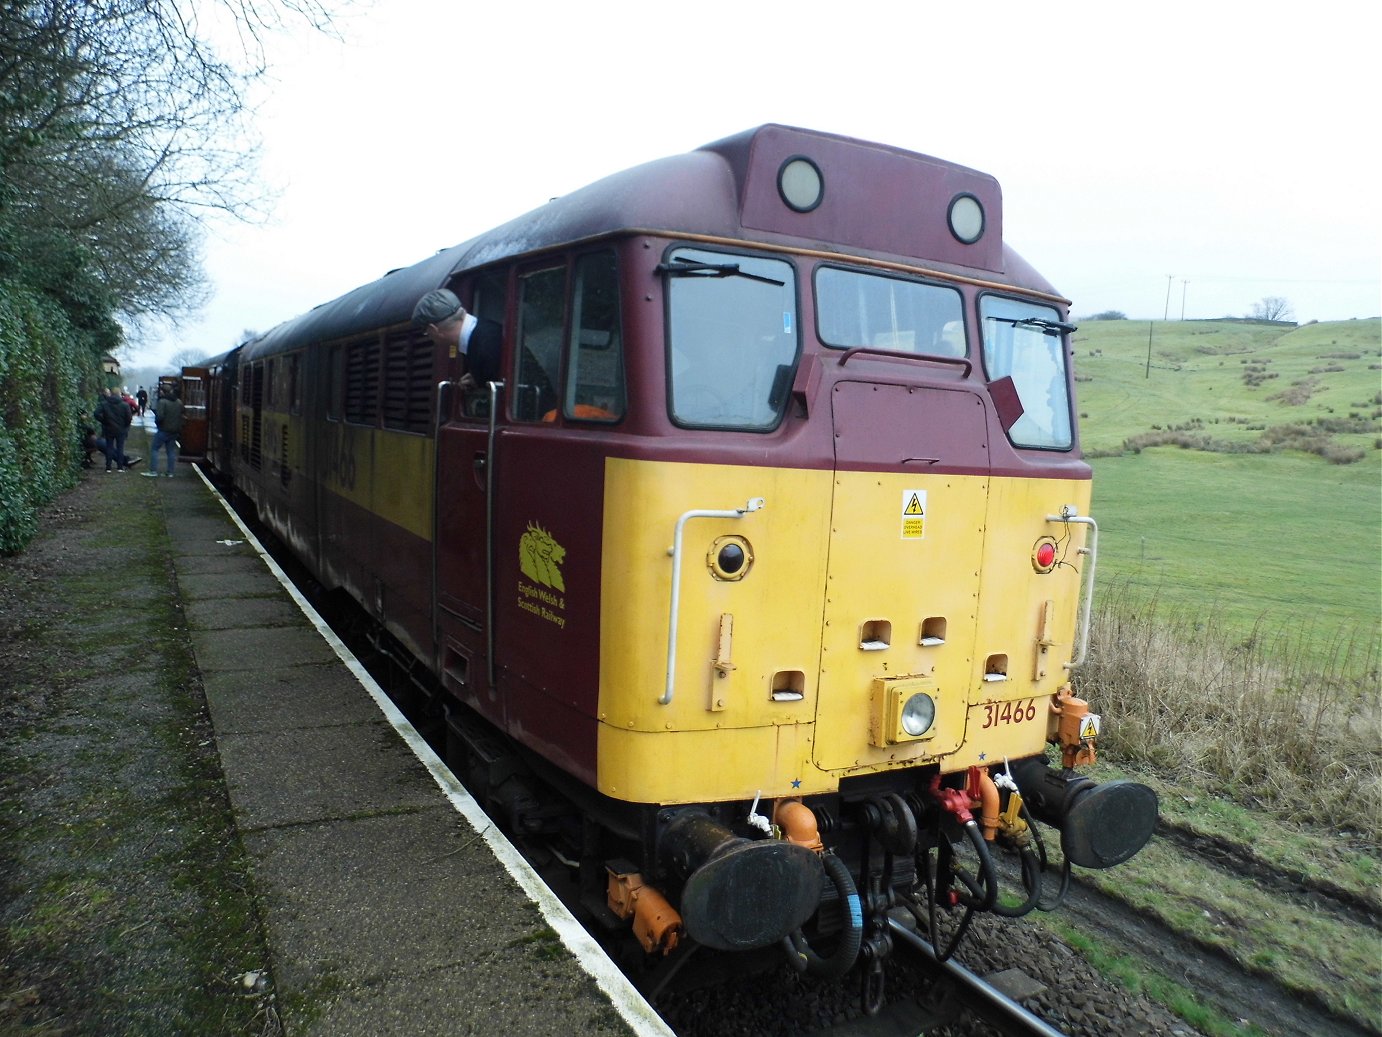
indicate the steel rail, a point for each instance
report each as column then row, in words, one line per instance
column 992, row 1005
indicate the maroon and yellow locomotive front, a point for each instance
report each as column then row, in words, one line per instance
column 769, row 545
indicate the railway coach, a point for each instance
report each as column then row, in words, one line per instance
column 769, row 546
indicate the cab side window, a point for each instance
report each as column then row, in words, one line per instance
column 595, row 375
column 537, row 362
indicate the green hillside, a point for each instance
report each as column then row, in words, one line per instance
column 1240, row 472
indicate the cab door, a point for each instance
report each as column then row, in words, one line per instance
column 470, row 423
column 562, row 412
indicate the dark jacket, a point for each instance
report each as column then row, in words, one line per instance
column 482, row 351
column 168, row 415
column 113, row 414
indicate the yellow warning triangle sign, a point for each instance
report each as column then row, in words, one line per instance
column 1089, row 730
column 913, row 507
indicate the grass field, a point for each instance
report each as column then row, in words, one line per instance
column 1285, row 539
column 1236, row 633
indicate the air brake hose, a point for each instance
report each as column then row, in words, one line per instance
column 836, row 964
column 1045, row 863
column 985, row 892
column 1064, row 889
column 1031, row 882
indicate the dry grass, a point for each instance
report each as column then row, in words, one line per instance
column 1314, row 437
column 1250, row 718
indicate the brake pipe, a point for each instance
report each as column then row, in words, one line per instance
column 799, row 952
column 957, row 802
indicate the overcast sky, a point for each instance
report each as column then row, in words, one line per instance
column 1154, row 159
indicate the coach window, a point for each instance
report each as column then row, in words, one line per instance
column 732, row 338
column 595, row 374
column 541, row 320
column 1026, row 341
column 854, row 308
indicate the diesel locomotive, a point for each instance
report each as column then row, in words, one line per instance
column 768, row 549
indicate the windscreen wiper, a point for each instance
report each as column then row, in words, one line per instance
column 1048, row 327
column 696, row 268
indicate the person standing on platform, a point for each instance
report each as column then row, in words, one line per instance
column 115, row 417
column 168, row 418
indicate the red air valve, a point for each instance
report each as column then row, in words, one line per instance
column 953, row 801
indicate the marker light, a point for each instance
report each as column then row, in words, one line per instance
column 1044, row 555
column 966, row 218
column 730, row 558
column 918, row 714
column 800, row 184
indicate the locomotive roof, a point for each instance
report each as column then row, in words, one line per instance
column 722, row 189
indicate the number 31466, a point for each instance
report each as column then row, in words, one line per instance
column 999, row 713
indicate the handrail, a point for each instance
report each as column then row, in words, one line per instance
column 436, row 503
column 494, row 389
column 898, row 354
column 754, row 504
column 1069, row 514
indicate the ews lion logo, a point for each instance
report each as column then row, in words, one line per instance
column 540, row 557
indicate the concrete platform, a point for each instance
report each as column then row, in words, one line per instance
column 392, row 905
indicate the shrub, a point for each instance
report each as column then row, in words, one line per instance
column 1250, row 718
column 48, row 375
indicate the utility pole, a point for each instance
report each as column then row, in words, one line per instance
column 1150, row 326
column 1182, row 299
column 1167, row 314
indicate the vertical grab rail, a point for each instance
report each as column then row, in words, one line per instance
column 436, row 505
column 495, row 388
column 1069, row 514
column 754, row 504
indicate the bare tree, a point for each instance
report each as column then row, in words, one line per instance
column 1271, row 307
column 187, row 358
column 120, row 129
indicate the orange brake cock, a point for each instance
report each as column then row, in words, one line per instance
column 656, row 923
column 1076, row 729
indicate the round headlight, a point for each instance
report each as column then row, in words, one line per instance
column 800, row 184
column 918, row 714
column 966, row 218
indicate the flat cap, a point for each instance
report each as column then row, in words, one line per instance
column 435, row 307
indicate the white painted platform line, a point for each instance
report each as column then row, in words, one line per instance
column 627, row 1001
